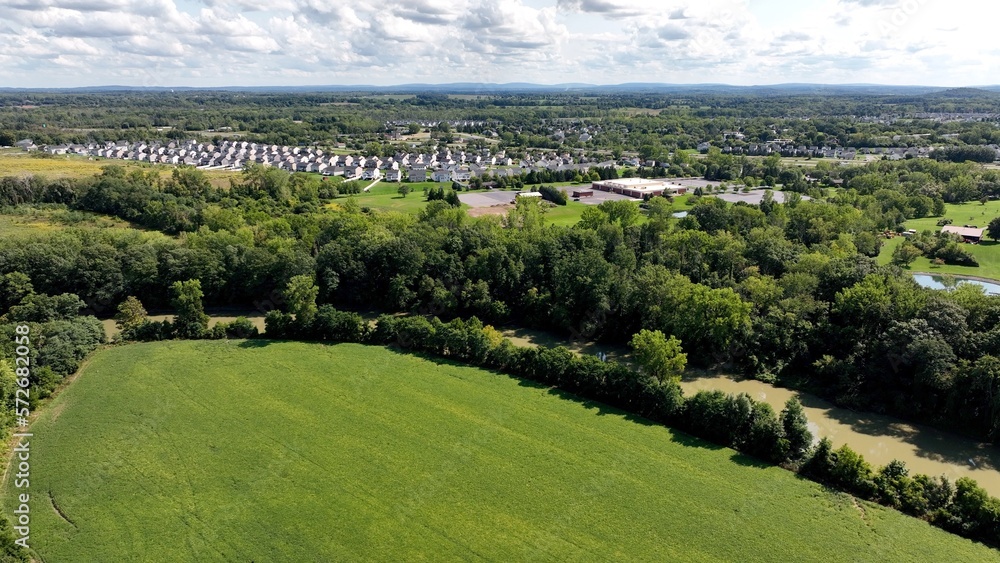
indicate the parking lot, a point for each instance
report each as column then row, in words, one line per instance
column 600, row 197
column 487, row 199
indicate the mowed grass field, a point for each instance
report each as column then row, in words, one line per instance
column 240, row 451
column 385, row 196
column 973, row 213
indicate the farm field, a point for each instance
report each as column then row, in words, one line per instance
column 987, row 252
column 268, row 451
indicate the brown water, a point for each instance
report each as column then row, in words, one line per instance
column 879, row 438
column 253, row 316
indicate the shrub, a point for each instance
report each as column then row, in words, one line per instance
column 241, row 327
column 339, row 326
column 149, row 331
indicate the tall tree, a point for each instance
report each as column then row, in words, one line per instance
column 659, row 356
column 796, row 426
column 905, row 254
column 993, row 229
column 190, row 320
column 300, row 295
column 130, row 314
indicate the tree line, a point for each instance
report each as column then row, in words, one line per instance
column 779, row 291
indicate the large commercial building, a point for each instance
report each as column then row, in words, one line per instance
column 639, row 188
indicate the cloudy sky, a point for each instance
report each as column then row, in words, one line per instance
column 54, row 43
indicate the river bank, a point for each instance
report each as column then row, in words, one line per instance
column 880, row 439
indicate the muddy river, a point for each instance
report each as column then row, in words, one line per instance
column 215, row 318
column 879, row 438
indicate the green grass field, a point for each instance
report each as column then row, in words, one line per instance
column 20, row 163
column 384, row 196
column 974, row 213
column 240, row 451
column 28, row 222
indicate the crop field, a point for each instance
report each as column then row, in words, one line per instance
column 987, row 252
column 268, row 451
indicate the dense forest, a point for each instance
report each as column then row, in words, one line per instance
column 643, row 123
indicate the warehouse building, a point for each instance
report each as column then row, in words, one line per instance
column 639, row 188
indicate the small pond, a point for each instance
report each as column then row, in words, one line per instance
column 932, row 281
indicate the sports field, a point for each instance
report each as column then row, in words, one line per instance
column 258, row 451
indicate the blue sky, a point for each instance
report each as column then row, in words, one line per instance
column 53, row 43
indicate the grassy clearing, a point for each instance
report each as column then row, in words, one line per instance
column 20, row 163
column 29, row 221
column 290, row 451
column 987, row 253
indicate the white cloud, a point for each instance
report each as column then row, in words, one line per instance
column 225, row 42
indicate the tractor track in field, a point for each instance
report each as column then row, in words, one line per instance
column 59, row 511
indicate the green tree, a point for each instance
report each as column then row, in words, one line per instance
column 130, row 314
column 190, row 320
column 526, row 215
column 659, row 208
column 623, row 211
column 905, row 254
column 993, row 229
column 40, row 308
column 403, row 190
column 796, row 427
column 14, row 287
column 300, row 295
column 659, row 356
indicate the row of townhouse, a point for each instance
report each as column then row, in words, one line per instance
column 442, row 165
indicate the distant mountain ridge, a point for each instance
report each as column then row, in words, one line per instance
column 527, row 87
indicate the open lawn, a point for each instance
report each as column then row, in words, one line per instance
column 385, row 197
column 266, row 451
column 987, row 253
